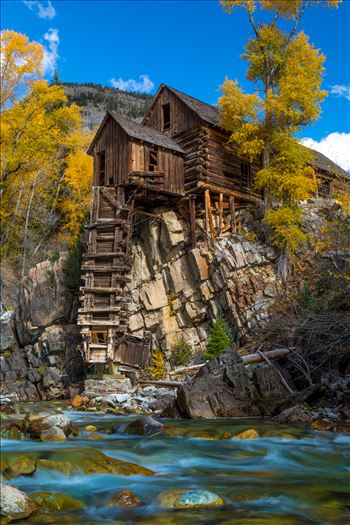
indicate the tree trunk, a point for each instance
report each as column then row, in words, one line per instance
column 25, row 237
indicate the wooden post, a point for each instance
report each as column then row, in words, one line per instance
column 220, row 212
column 210, row 215
column 233, row 214
column 206, row 211
column 192, row 204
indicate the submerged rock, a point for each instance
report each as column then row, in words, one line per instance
column 90, row 461
column 225, row 387
column 15, row 504
column 12, row 431
column 56, row 501
column 124, row 498
column 250, row 433
column 188, row 498
column 15, row 465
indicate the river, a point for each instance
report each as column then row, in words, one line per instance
column 288, row 476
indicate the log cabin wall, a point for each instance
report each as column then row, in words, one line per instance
column 113, row 143
column 182, row 118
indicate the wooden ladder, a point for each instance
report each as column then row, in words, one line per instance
column 106, row 268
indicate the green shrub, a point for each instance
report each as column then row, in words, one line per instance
column 181, row 351
column 306, row 299
column 220, row 339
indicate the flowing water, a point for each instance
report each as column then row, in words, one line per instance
column 289, row 476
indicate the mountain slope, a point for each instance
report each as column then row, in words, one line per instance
column 96, row 99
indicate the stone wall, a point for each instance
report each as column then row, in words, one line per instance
column 40, row 356
column 176, row 289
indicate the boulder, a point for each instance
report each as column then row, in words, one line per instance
column 7, row 339
column 38, row 424
column 53, row 434
column 188, row 498
column 225, row 387
column 296, row 414
column 124, row 498
column 15, row 504
column 144, row 426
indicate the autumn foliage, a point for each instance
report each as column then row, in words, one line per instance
column 46, row 175
column 287, row 72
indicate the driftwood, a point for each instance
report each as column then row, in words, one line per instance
column 247, row 359
column 165, row 384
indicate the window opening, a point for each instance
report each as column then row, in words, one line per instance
column 153, row 160
column 101, row 168
column 245, row 175
column 166, row 116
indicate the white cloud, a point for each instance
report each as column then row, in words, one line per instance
column 51, row 54
column 42, row 10
column 145, row 85
column 341, row 90
column 336, row 146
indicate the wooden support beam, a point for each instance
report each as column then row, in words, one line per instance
column 210, row 214
column 206, row 212
column 229, row 193
column 192, row 206
column 221, row 200
column 233, row 214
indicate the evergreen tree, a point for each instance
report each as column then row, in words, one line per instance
column 220, row 339
column 56, row 77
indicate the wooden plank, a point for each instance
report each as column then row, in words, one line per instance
column 232, row 213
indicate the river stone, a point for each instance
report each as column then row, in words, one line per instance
column 250, row 433
column 188, row 498
column 37, row 424
column 144, row 426
column 124, row 498
column 15, row 504
column 53, row 434
column 297, row 414
column 12, row 431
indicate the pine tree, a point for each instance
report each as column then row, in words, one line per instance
column 56, row 77
column 220, row 339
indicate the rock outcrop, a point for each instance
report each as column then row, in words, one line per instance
column 225, row 387
column 178, row 290
column 40, row 356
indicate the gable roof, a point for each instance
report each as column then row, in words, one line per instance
column 324, row 163
column 140, row 132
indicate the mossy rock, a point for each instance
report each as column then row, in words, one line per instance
column 250, row 433
column 90, row 461
column 188, row 499
column 13, row 465
column 124, row 498
column 56, row 501
column 12, row 430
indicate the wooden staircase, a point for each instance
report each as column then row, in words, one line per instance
column 106, row 268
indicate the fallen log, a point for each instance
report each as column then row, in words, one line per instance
column 247, row 359
column 165, row 384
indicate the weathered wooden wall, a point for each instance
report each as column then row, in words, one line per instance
column 181, row 117
column 169, row 163
column 114, row 142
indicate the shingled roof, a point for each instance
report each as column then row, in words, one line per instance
column 211, row 115
column 203, row 110
column 140, row 132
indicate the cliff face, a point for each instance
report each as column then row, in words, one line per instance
column 40, row 357
column 178, row 290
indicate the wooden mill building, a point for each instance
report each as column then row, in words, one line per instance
column 178, row 155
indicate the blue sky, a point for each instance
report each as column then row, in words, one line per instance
column 190, row 45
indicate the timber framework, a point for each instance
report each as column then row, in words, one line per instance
column 179, row 156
